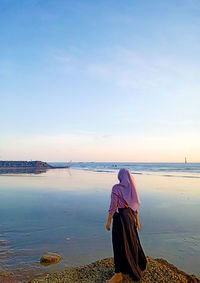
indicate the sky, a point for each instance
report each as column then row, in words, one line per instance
column 100, row 80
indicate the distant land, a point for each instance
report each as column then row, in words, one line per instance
column 26, row 167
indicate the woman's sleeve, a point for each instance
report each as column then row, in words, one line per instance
column 113, row 202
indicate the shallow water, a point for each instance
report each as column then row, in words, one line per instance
column 65, row 211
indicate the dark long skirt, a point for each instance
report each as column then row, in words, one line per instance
column 129, row 257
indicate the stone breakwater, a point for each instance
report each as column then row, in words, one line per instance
column 24, row 164
column 158, row 270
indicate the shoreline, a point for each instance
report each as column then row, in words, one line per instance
column 158, row 270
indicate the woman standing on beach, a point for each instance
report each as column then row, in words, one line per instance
column 129, row 257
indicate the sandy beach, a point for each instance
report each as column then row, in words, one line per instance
column 158, row 270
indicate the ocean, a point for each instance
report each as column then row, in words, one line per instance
column 65, row 211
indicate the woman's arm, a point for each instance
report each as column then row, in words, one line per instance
column 110, row 216
column 113, row 207
column 138, row 222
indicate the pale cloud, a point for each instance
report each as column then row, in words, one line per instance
column 126, row 68
column 99, row 70
column 107, row 136
column 61, row 61
column 178, row 122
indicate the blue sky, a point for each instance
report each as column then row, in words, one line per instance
column 100, row 80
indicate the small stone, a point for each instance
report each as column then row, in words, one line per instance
column 68, row 239
column 49, row 258
column 4, row 243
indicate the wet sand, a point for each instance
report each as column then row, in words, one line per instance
column 66, row 222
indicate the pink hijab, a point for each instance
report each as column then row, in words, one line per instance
column 128, row 189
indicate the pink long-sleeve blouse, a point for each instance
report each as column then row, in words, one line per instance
column 117, row 200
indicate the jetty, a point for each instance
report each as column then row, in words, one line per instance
column 27, row 167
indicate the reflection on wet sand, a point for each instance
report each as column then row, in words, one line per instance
column 64, row 211
column 22, row 170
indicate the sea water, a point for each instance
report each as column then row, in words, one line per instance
column 65, row 211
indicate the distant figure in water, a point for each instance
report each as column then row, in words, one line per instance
column 129, row 257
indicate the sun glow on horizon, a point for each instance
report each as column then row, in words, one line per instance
column 100, row 148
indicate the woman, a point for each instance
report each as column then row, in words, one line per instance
column 129, row 257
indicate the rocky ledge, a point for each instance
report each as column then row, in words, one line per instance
column 158, row 270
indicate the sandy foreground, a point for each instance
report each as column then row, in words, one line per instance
column 158, row 270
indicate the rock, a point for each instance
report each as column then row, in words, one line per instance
column 49, row 258
column 4, row 243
